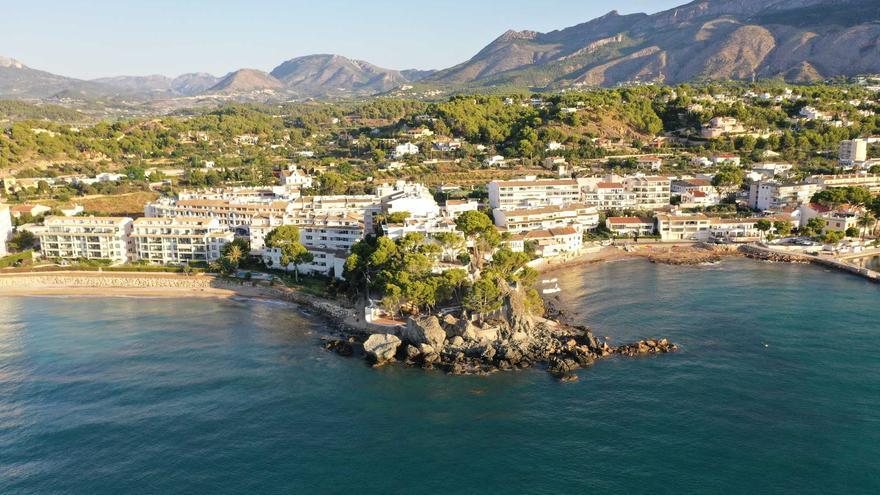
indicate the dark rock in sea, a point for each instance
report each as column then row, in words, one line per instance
column 342, row 347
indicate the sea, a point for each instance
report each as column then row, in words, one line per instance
column 775, row 390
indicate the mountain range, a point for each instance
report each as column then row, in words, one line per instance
column 798, row 40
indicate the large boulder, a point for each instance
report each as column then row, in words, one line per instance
column 382, row 347
column 464, row 329
column 424, row 331
column 517, row 313
column 486, row 334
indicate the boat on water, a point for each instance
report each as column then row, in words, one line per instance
column 550, row 287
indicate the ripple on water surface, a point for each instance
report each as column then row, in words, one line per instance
column 776, row 390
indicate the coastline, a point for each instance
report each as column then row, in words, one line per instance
column 120, row 284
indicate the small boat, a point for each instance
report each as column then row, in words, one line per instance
column 554, row 289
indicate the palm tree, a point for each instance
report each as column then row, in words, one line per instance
column 866, row 221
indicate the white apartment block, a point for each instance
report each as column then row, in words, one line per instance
column 328, row 262
column 687, row 185
column 178, row 240
column 5, row 229
column 870, row 182
column 682, row 227
column 531, row 191
column 771, row 195
column 734, row 229
column 93, row 238
column 610, row 196
column 549, row 243
column 853, row 151
column 579, row 216
column 651, row 193
column 231, row 214
column 425, row 226
column 629, row 226
column 415, row 199
column 336, row 232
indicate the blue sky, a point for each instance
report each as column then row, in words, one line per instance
column 98, row 38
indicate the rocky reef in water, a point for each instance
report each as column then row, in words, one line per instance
column 512, row 338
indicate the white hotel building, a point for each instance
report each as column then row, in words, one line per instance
column 178, row 241
column 579, row 216
column 94, row 238
column 533, row 192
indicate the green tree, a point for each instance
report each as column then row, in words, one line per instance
column 22, row 241
column 287, row 240
column 865, row 222
column 483, row 297
column 814, row 227
column 451, row 244
column 783, row 227
column 232, row 254
column 763, row 226
column 478, row 227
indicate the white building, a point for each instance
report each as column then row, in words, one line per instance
column 579, row 216
column 5, row 229
column 853, row 151
column 650, row 162
column 811, row 113
column 733, row 160
column 734, row 229
column 415, row 199
column 232, row 214
column 455, row 207
column 327, row 262
column 651, row 193
column 682, row 227
column 629, row 226
column 494, row 161
column 699, row 199
column 610, row 196
column 531, row 191
column 294, row 177
column 836, row 219
column 93, row 238
column 871, row 182
column 335, row 232
column 548, row 243
column 772, row 195
column 178, row 240
column 403, row 150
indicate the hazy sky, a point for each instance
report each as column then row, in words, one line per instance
column 98, row 38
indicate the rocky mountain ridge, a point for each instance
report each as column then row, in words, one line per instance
column 799, row 40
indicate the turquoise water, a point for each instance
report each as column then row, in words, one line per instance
column 776, row 390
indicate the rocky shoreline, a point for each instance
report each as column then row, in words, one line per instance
column 510, row 340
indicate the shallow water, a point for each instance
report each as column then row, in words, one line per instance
column 775, row 390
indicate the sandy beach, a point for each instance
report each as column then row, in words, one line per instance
column 120, row 284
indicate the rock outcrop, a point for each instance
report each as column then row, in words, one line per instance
column 512, row 339
column 381, row 348
column 427, row 330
